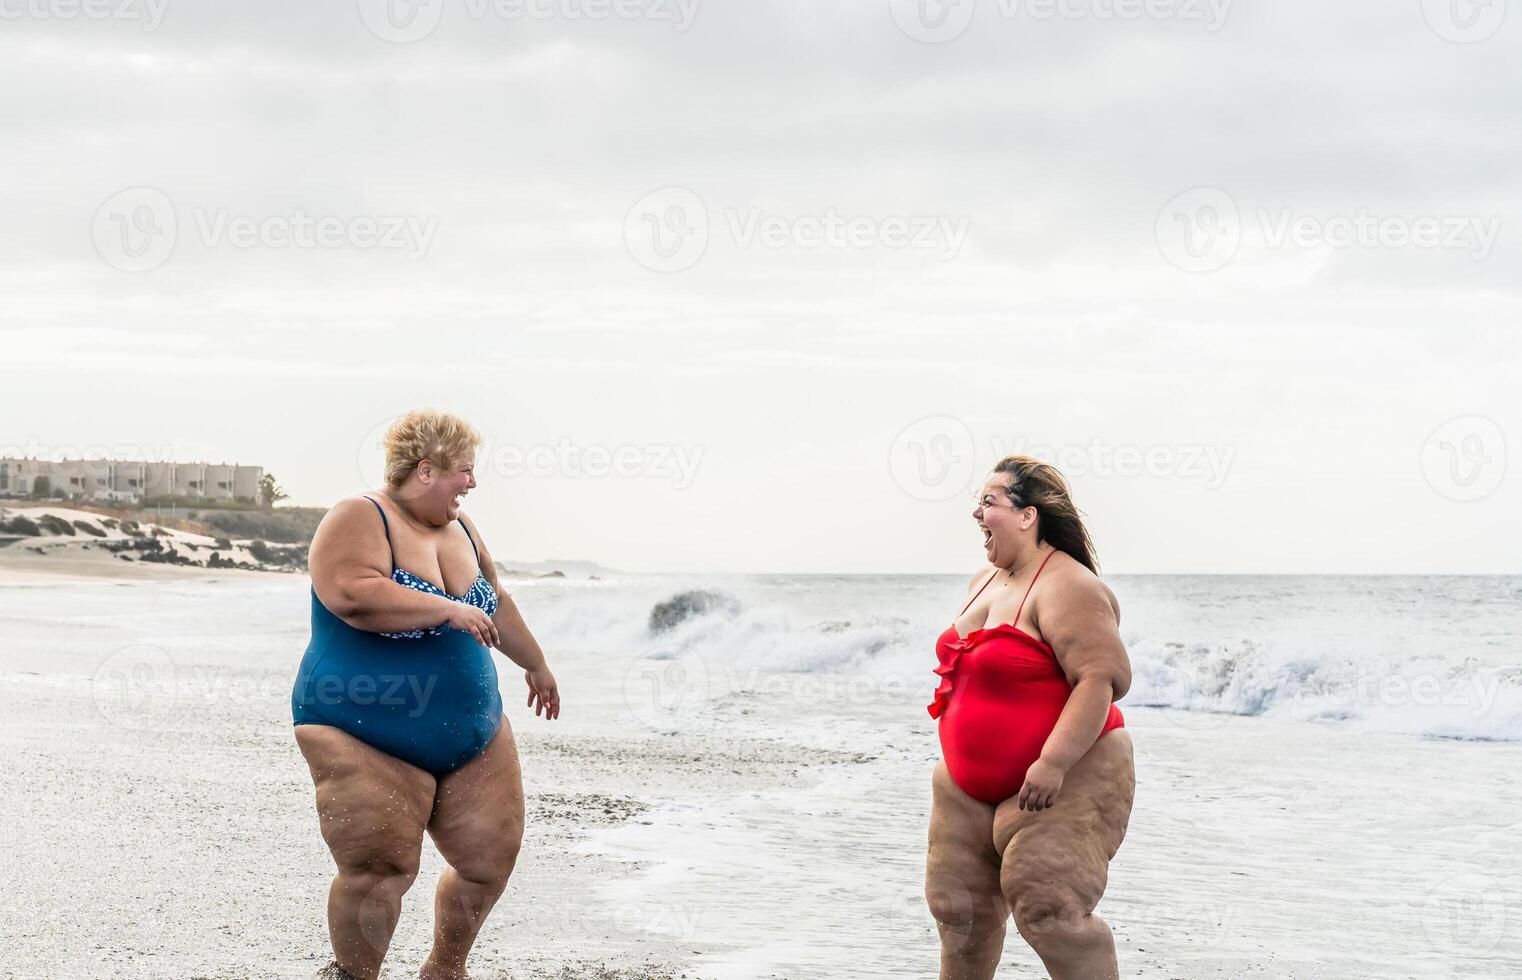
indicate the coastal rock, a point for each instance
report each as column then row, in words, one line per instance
column 688, row 605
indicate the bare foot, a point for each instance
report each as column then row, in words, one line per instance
column 333, row 972
column 432, row 972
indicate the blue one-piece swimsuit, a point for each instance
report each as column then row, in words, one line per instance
column 427, row 696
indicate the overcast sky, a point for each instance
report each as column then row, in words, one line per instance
column 737, row 286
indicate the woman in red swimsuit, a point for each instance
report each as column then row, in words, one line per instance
column 1034, row 795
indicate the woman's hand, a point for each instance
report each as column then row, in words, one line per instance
column 473, row 620
column 541, row 688
column 1042, row 782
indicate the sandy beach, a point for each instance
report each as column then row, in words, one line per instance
column 76, row 565
column 162, row 818
column 771, row 826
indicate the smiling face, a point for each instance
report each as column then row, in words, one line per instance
column 444, row 488
column 458, row 481
column 1006, row 529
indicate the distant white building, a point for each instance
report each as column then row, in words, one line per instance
column 129, row 480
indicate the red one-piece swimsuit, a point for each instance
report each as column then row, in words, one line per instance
column 1001, row 693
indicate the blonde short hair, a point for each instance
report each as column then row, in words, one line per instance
column 426, row 433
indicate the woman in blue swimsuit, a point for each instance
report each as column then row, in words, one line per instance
column 396, row 703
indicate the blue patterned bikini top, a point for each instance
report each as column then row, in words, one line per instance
column 480, row 594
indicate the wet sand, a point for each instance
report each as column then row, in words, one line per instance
column 160, row 821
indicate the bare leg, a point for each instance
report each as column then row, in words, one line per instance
column 962, row 882
column 1057, row 861
column 477, row 825
column 372, row 808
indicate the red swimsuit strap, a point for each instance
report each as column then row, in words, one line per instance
column 1032, row 586
column 1022, row 598
column 976, row 594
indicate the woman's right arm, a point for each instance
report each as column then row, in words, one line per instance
column 350, row 563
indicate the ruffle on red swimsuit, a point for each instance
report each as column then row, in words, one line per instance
column 948, row 651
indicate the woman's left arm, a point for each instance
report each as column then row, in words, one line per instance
column 1078, row 618
column 517, row 643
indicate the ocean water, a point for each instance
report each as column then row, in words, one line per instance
column 1329, row 768
column 1428, row 656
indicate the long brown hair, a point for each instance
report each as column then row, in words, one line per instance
column 1037, row 484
